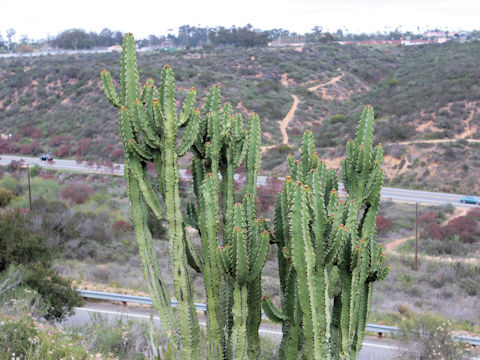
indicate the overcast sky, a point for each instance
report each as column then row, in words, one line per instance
column 40, row 18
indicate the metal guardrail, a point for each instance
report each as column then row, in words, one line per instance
column 379, row 329
column 89, row 294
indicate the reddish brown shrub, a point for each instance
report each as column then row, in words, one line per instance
column 433, row 231
column 13, row 147
column 465, row 227
column 117, row 154
column 15, row 166
column 3, row 145
column 383, row 224
column 34, row 148
column 27, row 131
column 122, row 226
column 429, row 217
column 267, row 194
column 474, row 212
column 83, row 147
column 63, row 151
column 76, row 193
column 57, row 140
column 151, row 169
column 37, row 134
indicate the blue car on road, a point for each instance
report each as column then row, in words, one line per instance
column 470, row 200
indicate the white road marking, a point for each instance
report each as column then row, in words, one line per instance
column 272, row 332
column 380, row 346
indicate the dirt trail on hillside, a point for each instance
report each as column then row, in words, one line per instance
column 287, row 119
column 391, row 247
column 330, row 82
column 291, row 113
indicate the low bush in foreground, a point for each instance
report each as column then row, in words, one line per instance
column 430, row 337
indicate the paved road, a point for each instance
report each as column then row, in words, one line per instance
column 373, row 348
column 424, row 197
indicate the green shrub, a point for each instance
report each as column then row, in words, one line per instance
column 46, row 188
column 56, row 292
column 392, row 82
column 34, row 171
column 5, row 196
column 10, row 183
column 338, row 118
column 17, row 337
column 19, row 245
column 22, row 339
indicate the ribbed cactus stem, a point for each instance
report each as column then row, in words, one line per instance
column 328, row 244
column 149, row 127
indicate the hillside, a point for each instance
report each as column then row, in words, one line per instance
column 420, row 93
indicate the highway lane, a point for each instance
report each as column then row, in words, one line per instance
column 373, row 348
column 395, row 194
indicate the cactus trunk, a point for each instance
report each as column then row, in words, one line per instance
column 330, row 245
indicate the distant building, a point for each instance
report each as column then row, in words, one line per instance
column 117, row 48
column 45, row 47
column 435, row 34
column 288, row 40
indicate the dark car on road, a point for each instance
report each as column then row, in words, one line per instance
column 470, row 200
column 46, row 157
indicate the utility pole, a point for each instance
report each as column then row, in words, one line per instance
column 29, row 187
column 415, row 265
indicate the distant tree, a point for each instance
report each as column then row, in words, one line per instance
column 10, row 34
column 153, row 40
column 105, row 38
column 395, row 35
column 191, row 36
column 245, row 36
column 93, row 38
column 74, row 39
column 339, row 34
column 276, row 33
column 315, row 35
column 117, row 38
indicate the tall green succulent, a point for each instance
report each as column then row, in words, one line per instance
column 327, row 254
column 234, row 244
column 149, row 126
